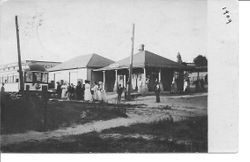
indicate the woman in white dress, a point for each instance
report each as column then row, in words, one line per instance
column 64, row 90
column 95, row 89
column 103, row 93
column 99, row 94
column 87, row 92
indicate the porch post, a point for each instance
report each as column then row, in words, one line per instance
column 55, row 80
column 116, row 81
column 124, row 81
column 161, row 84
column 103, row 79
column 116, row 77
column 69, row 77
column 144, row 87
column 144, row 76
column 159, row 76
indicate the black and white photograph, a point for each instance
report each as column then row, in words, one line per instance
column 113, row 76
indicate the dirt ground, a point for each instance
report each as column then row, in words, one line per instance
column 171, row 109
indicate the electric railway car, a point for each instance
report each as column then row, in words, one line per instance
column 35, row 79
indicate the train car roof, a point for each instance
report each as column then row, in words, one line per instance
column 35, row 67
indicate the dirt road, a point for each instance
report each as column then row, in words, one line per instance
column 171, row 107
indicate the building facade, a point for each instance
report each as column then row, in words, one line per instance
column 79, row 69
column 148, row 68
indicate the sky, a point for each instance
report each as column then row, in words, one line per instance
column 58, row 30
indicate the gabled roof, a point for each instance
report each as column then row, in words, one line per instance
column 84, row 61
column 144, row 59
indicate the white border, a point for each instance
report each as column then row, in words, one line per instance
column 244, row 112
column 222, row 52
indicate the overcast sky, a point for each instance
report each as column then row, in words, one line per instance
column 58, row 30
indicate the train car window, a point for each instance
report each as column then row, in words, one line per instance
column 37, row 77
column 44, row 77
column 29, row 77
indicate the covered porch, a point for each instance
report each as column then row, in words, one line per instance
column 147, row 68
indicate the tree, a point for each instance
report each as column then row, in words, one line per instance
column 179, row 60
column 200, row 60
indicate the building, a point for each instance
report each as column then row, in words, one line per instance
column 147, row 67
column 10, row 76
column 196, row 73
column 79, row 69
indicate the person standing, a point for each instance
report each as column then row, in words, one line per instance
column 103, row 93
column 87, row 92
column 2, row 97
column 95, row 89
column 68, row 91
column 2, row 89
column 157, row 91
column 72, row 91
column 83, row 90
column 174, row 86
column 59, row 90
column 185, row 86
column 79, row 91
column 119, row 93
column 99, row 94
column 64, row 90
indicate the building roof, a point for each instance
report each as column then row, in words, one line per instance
column 84, row 61
column 144, row 59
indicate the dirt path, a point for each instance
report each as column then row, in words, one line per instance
column 181, row 108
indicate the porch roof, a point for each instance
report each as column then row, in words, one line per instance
column 144, row 59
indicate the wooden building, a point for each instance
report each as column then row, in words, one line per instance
column 79, row 69
column 147, row 67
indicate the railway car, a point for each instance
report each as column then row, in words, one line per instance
column 35, row 79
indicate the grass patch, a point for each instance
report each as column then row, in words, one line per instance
column 167, row 139
column 194, row 128
column 20, row 115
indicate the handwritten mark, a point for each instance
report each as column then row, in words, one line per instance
column 230, row 20
column 227, row 14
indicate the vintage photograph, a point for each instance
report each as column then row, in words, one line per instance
column 105, row 76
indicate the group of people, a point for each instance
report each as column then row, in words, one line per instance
column 185, row 87
column 82, row 91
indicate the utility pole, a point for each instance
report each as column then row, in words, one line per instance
column 131, row 63
column 19, row 57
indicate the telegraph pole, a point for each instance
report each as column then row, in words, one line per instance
column 19, row 57
column 131, row 63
